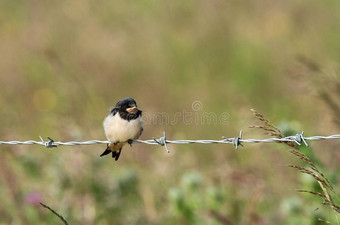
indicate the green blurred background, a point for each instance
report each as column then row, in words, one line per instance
column 65, row 63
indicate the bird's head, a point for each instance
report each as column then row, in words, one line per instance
column 127, row 109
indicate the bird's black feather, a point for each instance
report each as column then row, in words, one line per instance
column 116, row 154
column 107, row 151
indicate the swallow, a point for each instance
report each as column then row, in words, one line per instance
column 122, row 125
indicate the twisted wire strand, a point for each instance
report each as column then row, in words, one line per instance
column 236, row 141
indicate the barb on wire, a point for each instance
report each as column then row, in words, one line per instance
column 299, row 138
column 236, row 141
column 48, row 144
column 162, row 141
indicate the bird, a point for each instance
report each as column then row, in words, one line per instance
column 122, row 125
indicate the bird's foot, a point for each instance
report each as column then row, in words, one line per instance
column 130, row 141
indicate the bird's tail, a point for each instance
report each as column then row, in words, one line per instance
column 107, row 151
column 115, row 153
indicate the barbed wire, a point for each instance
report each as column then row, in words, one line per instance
column 236, row 141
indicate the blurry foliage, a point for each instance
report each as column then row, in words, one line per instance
column 195, row 203
column 318, row 184
column 65, row 63
column 327, row 85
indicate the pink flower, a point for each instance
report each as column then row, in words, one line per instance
column 33, row 198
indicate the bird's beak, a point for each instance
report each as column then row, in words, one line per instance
column 132, row 109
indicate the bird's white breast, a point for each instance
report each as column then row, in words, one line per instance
column 120, row 130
